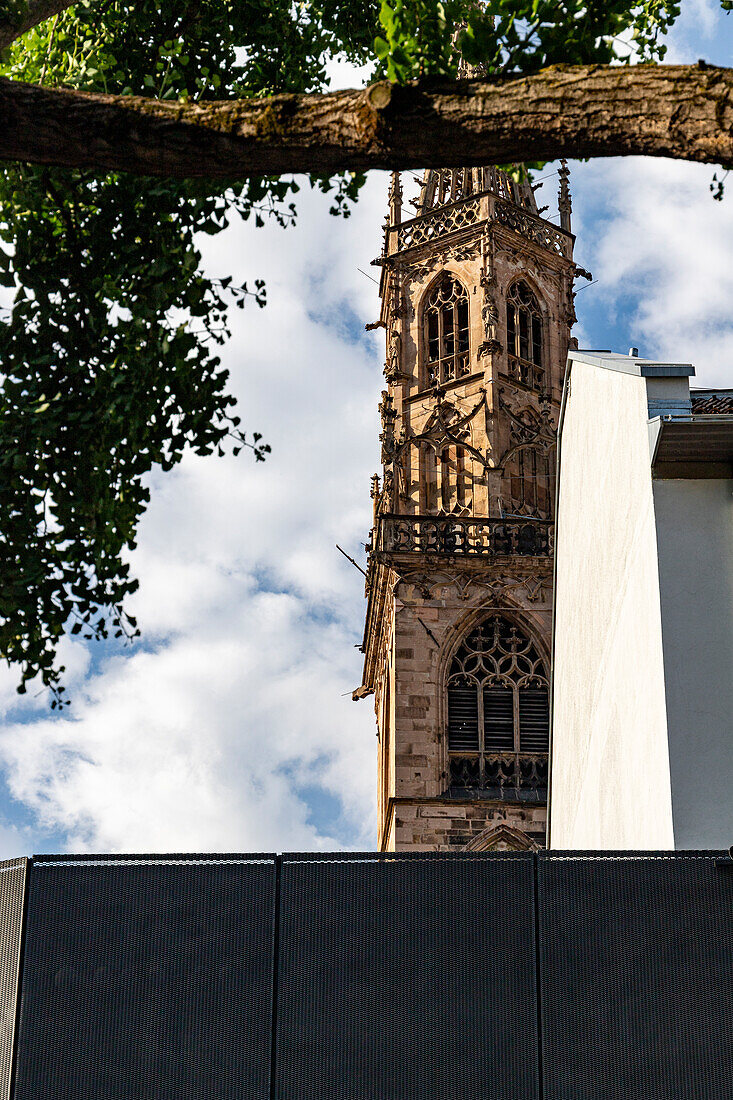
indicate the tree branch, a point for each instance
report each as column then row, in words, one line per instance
column 35, row 12
column 677, row 111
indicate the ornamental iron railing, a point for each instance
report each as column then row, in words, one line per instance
column 483, row 537
column 504, row 772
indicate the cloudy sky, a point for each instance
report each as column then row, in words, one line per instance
column 230, row 726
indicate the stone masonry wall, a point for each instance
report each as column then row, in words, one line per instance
column 451, row 824
column 432, row 615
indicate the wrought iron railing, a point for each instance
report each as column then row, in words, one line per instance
column 526, row 537
column 503, row 772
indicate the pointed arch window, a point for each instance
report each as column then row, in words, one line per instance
column 524, row 337
column 498, row 711
column 445, row 320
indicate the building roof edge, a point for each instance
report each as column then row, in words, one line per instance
column 631, row 364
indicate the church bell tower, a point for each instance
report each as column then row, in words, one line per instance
column 477, row 307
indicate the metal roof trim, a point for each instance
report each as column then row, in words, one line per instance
column 628, row 364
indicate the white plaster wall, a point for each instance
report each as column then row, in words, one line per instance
column 610, row 764
column 695, row 538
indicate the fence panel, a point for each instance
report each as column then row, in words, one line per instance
column 636, row 962
column 407, row 978
column 147, row 979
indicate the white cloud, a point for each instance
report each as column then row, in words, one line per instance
column 660, row 248
column 232, row 727
column 700, row 29
column 13, row 841
column 229, row 728
column 206, row 744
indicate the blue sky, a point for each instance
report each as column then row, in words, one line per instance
column 231, row 727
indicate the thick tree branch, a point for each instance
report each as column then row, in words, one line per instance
column 34, row 12
column 574, row 111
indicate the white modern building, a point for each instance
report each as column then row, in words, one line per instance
column 642, row 727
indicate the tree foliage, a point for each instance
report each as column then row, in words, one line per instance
column 109, row 348
column 517, row 36
column 109, row 342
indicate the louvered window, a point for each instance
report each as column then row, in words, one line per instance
column 498, row 710
column 499, row 719
column 463, row 717
column 534, row 719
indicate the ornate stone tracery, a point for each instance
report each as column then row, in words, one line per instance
column 528, row 462
column 446, row 331
column 498, row 653
column 421, row 230
column 534, row 228
column 498, row 709
column 525, row 343
column 420, row 267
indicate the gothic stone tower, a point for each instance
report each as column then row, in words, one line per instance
column 477, row 306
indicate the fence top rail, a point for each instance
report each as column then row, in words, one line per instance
column 115, row 858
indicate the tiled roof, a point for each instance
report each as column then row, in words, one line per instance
column 712, row 401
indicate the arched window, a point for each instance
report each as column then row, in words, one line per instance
column 446, row 331
column 498, row 710
column 524, row 337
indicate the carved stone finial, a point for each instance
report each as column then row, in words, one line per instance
column 385, row 236
column 395, row 199
column 563, row 199
column 375, row 495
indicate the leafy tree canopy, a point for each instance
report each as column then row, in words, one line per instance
column 110, row 335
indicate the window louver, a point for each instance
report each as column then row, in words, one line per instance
column 463, row 718
column 534, row 719
column 498, row 719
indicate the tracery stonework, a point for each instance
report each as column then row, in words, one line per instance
column 477, row 304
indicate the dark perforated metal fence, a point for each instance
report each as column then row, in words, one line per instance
column 636, row 966
column 12, row 895
column 500, row 976
column 410, row 977
column 147, row 979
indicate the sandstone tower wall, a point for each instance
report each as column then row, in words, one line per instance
column 477, row 306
